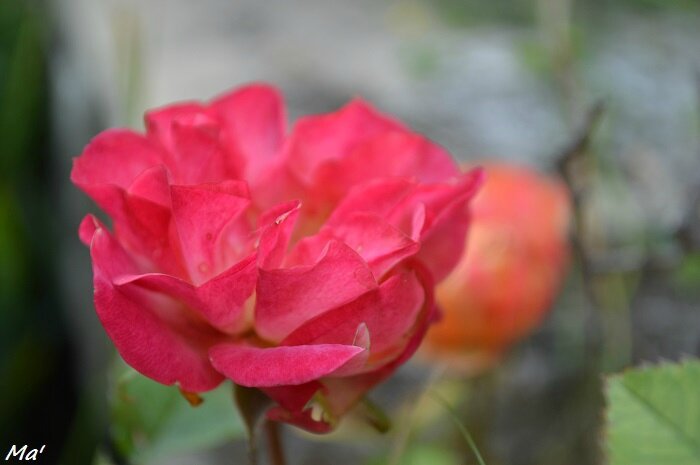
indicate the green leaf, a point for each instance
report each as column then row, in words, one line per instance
column 151, row 421
column 653, row 416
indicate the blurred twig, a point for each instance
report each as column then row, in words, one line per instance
column 579, row 143
column 573, row 164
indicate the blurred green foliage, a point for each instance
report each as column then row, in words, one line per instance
column 151, row 422
column 22, row 83
column 463, row 13
column 663, row 4
column 466, row 13
column 421, row 454
column 35, row 358
column 687, row 276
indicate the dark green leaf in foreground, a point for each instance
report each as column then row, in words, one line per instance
column 152, row 422
column 654, row 416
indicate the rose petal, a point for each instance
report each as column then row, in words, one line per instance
column 152, row 335
column 200, row 214
column 293, row 398
column 160, row 121
column 358, row 363
column 436, row 199
column 280, row 366
column 434, row 215
column 286, row 298
column 376, row 197
column 199, row 156
column 87, row 229
column 400, row 154
column 317, row 139
column 445, row 225
column 152, row 184
column 275, row 185
column 389, row 155
column 254, row 123
column 143, row 222
column 342, row 393
column 277, row 225
column 388, row 313
column 381, row 245
column 220, row 300
column 110, row 162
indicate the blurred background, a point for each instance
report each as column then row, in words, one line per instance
column 605, row 92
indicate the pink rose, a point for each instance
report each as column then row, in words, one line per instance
column 301, row 264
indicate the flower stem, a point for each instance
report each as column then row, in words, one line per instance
column 274, row 443
column 252, row 455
